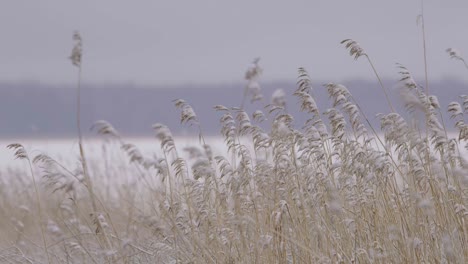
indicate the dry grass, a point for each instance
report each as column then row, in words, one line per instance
column 336, row 190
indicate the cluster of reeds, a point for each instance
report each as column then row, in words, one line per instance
column 332, row 190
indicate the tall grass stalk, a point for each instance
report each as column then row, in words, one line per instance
column 423, row 28
column 76, row 58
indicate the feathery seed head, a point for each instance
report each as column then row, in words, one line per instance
column 105, row 128
column 304, row 84
column 406, row 77
column 162, row 131
column 20, row 152
column 77, row 50
column 455, row 109
column 434, row 101
column 133, row 152
column 454, row 54
column 278, row 98
column 254, row 71
column 220, row 108
column 258, row 116
column 187, row 114
column 354, row 48
column 252, row 75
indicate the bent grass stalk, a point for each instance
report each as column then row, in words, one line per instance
column 356, row 51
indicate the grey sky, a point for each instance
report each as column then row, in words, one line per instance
column 213, row 41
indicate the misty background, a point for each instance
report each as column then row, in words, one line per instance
column 32, row 110
column 141, row 55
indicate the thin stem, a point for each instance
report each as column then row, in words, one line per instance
column 80, row 143
column 40, row 211
column 426, row 82
column 424, row 48
column 381, row 83
column 84, row 164
column 464, row 63
column 244, row 97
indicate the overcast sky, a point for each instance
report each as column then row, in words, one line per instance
column 212, row 41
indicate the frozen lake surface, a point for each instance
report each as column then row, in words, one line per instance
column 66, row 150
